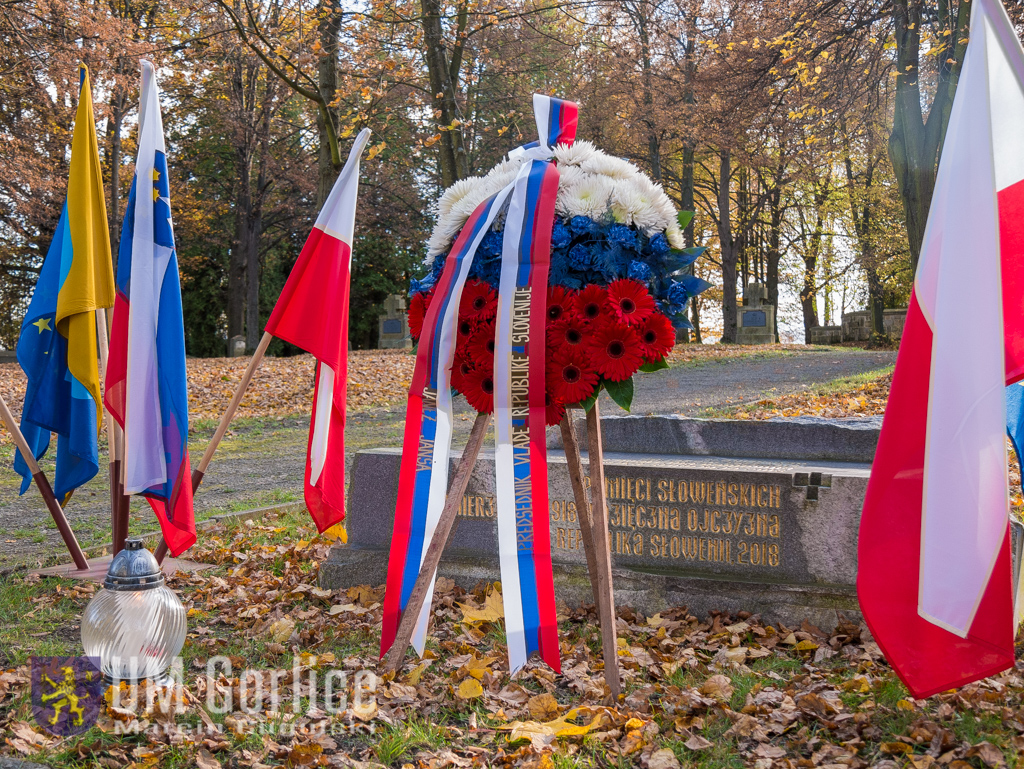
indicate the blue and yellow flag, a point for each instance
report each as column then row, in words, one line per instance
column 58, row 346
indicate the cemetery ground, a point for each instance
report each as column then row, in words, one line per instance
column 722, row 691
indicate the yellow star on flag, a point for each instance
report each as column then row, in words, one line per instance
column 43, row 324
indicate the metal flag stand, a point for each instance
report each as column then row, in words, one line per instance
column 593, row 518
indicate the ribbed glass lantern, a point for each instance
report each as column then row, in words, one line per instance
column 136, row 624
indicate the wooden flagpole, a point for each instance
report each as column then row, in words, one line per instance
column 456, row 491
column 222, row 428
column 44, row 487
column 115, row 449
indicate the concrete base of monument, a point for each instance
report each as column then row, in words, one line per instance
column 649, row 593
column 712, row 521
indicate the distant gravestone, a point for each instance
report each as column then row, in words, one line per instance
column 756, row 321
column 394, row 325
column 236, row 346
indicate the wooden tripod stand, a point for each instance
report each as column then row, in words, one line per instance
column 593, row 518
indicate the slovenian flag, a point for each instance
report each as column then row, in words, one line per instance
column 312, row 314
column 934, row 575
column 146, row 389
column 57, row 347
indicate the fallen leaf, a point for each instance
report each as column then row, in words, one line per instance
column 696, row 742
column 543, row 707
column 469, row 689
column 663, row 759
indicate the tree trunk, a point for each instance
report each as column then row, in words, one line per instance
column 774, row 252
column 915, row 142
column 443, row 82
column 728, row 247
column 239, row 257
column 117, row 110
column 329, row 160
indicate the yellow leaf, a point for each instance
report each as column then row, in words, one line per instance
column 417, row 674
column 469, row 689
column 492, row 610
column 337, row 532
column 477, row 666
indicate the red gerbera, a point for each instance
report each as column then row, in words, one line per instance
column 591, row 303
column 630, row 302
column 657, row 337
column 568, row 332
column 569, row 377
column 478, row 387
column 615, row 351
column 560, row 303
column 418, row 311
column 462, row 367
column 479, row 301
column 480, row 347
column 553, row 410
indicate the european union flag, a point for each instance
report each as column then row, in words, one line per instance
column 57, row 347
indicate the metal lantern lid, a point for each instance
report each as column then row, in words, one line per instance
column 134, row 568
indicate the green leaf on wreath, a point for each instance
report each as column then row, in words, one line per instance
column 588, row 403
column 658, row 365
column 684, row 218
column 621, row 392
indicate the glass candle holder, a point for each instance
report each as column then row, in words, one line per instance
column 136, row 625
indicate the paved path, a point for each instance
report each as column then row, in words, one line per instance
column 692, row 388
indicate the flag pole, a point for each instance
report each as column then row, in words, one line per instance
column 222, row 428
column 115, row 449
column 44, row 487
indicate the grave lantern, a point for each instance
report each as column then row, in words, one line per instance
column 136, row 624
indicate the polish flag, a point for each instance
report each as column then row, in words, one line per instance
column 312, row 313
column 934, row 576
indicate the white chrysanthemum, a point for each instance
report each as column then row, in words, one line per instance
column 587, row 197
column 454, row 194
column 506, row 167
column 569, row 176
column 574, row 154
column 591, row 183
column 675, row 236
column 606, row 165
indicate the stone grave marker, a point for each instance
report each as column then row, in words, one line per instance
column 236, row 346
column 710, row 514
column 755, row 322
column 394, row 325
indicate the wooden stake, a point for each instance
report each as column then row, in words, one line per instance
column 583, row 513
column 396, row 655
column 222, row 428
column 602, row 580
column 115, row 448
column 44, row 487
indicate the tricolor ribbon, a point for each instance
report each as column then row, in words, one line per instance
column 520, row 446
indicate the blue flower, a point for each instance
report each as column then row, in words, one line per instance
column 639, row 271
column 560, row 235
column 677, row 294
column 580, row 256
column 659, row 243
column 420, row 286
column 581, row 224
column 621, row 235
column 491, row 244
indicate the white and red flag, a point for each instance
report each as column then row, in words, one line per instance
column 934, row 574
column 312, row 313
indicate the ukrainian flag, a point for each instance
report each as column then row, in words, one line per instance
column 58, row 346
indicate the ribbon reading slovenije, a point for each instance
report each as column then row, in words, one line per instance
column 528, row 203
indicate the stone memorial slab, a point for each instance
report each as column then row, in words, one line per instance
column 393, row 328
column 775, row 536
